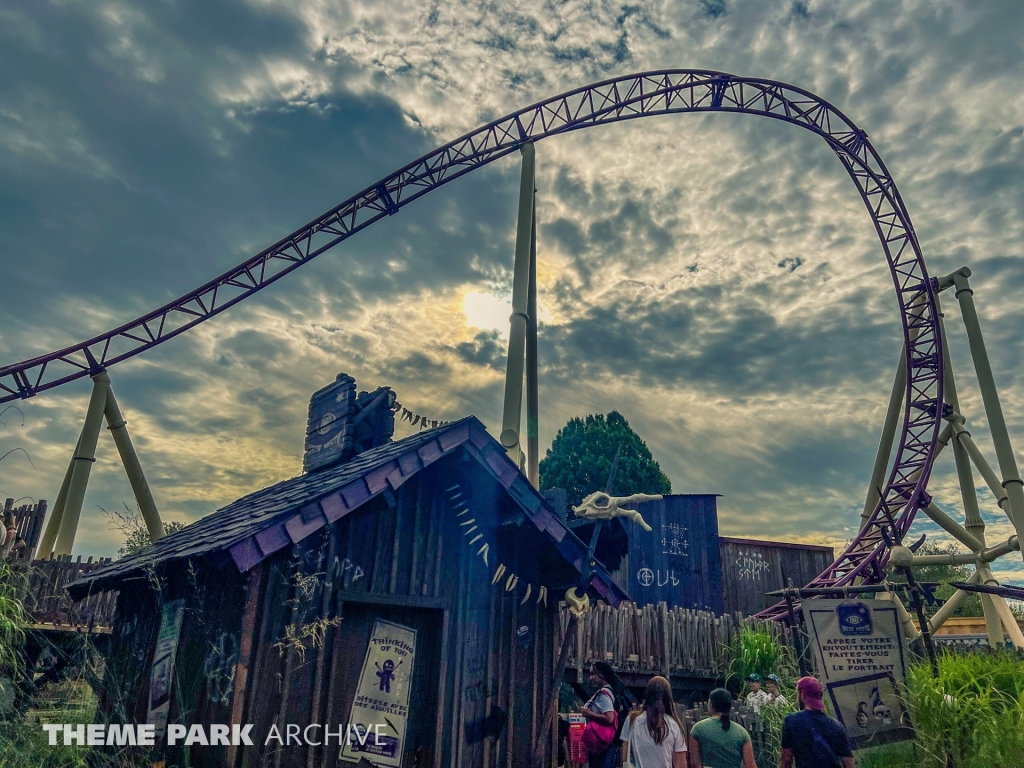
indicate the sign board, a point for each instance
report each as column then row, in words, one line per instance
column 678, row 561
column 380, row 709
column 858, row 645
column 328, row 430
column 161, row 678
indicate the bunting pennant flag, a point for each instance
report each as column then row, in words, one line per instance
column 404, row 414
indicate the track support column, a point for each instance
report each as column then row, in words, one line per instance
column 59, row 536
column 1000, row 436
column 532, row 397
column 892, row 418
column 512, row 409
column 130, row 460
column 81, row 465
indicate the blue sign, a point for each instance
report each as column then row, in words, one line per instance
column 854, row 619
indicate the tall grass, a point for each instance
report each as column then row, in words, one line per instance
column 973, row 712
column 14, row 622
column 757, row 648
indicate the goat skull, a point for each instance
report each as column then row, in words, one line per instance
column 601, row 506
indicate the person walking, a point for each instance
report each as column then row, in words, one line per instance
column 717, row 742
column 601, row 710
column 810, row 737
column 654, row 737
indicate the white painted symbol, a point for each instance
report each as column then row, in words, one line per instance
column 752, row 565
column 347, row 565
column 325, row 423
column 645, row 576
column 673, row 540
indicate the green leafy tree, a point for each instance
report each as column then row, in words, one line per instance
column 582, row 452
column 132, row 526
column 139, row 537
column 943, row 574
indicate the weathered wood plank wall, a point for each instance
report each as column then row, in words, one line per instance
column 750, row 568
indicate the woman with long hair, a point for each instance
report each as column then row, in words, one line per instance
column 717, row 742
column 601, row 709
column 654, row 737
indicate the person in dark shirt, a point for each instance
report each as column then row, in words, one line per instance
column 810, row 737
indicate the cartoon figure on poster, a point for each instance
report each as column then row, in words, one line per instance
column 387, row 674
column 380, row 709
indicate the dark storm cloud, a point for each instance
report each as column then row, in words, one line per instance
column 743, row 350
column 714, row 277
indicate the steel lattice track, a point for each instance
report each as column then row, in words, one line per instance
column 623, row 98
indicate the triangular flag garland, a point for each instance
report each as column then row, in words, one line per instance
column 507, row 580
column 404, row 414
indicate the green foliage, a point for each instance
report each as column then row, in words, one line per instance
column 137, row 537
column 133, row 527
column 14, row 621
column 757, row 648
column 970, row 605
column 903, row 754
column 582, row 452
column 973, row 713
column 24, row 743
column 771, row 718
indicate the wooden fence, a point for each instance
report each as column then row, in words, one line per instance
column 28, row 523
column 652, row 639
column 42, row 586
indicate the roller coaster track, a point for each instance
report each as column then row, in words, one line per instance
column 623, row 98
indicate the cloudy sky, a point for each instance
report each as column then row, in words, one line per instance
column 715, row 278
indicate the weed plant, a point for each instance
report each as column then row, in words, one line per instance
column 14, row 622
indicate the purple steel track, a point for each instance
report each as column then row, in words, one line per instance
column 622, row 98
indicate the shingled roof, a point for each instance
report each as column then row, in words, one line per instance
column 258, row 525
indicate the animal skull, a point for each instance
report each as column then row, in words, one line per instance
column 601, row 506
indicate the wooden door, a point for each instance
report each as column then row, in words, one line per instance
column 351, row 641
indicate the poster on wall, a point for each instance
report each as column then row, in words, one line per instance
column 380, row 709
column 161, row 676
column 859, row 649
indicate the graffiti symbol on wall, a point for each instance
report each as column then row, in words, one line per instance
column 646, row 577
column 673, row 540
column 219, row 668
column 751, row 565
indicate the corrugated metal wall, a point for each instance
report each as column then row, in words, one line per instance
column 678, row 562
column 750, row 568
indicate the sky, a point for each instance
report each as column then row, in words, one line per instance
column 715, row 278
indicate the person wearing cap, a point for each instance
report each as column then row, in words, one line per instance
column 756, row 698
column 775, row 698
column 810, row 738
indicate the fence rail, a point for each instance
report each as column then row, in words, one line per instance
column 654, row 639
column 42, row 587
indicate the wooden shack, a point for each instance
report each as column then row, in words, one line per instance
column 269, row 611
column 751, row 568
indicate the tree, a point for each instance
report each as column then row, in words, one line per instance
column 133, row 527
column 582, row 452
column 970, row 605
